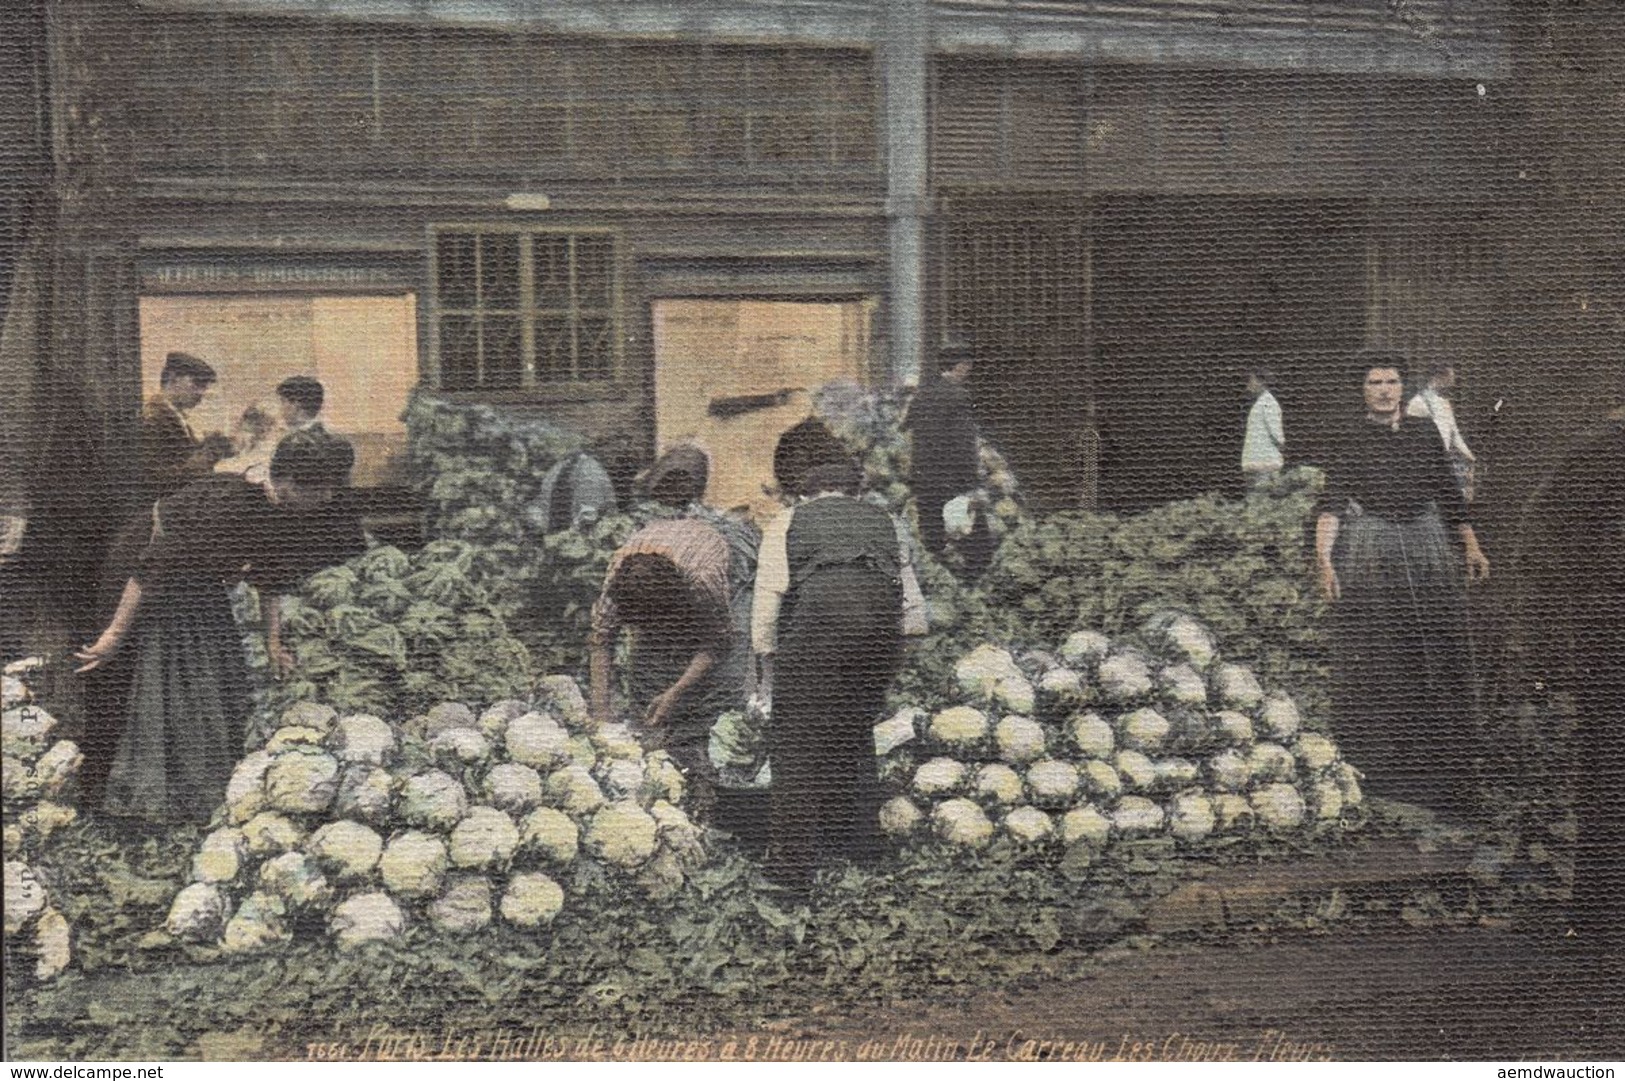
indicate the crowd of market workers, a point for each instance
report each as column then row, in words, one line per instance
column 804, row 622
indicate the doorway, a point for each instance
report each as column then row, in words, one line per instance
column 1016, row 279
column 363, row 349
column 732, row 375
column 1191, row 292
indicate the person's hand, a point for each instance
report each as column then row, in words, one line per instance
column 96, row 654
column 661, row 709
column 1478, row 564
column 1329, row 586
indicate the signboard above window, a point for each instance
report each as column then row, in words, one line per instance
column 521, row 310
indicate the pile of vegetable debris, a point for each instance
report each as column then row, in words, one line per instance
column 479, row 469
column 727, row 949
column 391, row 634
column 358, row 826
column 38, row 770
column 1242, row 567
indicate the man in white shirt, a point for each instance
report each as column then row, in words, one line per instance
column 1433, row 403
column 1261, row 456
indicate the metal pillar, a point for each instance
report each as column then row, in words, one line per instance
column 904, row 56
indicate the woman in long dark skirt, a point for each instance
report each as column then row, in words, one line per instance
column 835, row 594
column 181, row 715
column 1402, row 680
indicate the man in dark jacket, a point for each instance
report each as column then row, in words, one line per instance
column 945, row 456
column 172, row 456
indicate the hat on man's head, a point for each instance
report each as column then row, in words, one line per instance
column 178, row 364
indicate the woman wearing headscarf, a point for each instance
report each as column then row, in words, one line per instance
column 835, row 595
column 186, row 703
column 1386, row 560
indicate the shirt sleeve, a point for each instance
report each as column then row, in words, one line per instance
column 1335, row 495
column 543, row 504
column 1455, row 441
column 593, row 487
column 772, row 582
column 1452, row 504
column 915, row 622
column 1273, row 418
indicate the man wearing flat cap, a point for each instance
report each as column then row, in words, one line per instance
column 172, row 455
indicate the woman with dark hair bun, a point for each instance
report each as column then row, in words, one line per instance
column 835, row 595
column 176, row 704
column 1386, row 560
column 800, row 448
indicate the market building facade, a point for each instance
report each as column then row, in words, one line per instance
column 545, row 194
column 615, row 214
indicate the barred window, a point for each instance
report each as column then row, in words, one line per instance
column 520, row 309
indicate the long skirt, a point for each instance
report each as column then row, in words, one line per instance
column 1402, row 675
column 188, row 701
column 107, row 689
column 658, row 661
column 838, row 652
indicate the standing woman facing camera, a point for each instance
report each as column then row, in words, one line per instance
column 1394, row 547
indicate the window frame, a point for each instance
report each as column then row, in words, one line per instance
column 529, row 312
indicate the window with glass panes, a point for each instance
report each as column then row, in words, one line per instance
column 520, row 309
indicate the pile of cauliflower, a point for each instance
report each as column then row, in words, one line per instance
column 1109, row 741
column 451, row 820
column 38, row 770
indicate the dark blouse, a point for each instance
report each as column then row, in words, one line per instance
column 944, row 428
column 1392, row 473
column 167, row 451
column 224, row 529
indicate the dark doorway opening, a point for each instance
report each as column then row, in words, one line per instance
column 1188, row 294
column 1134, row 319
column 1015, row 272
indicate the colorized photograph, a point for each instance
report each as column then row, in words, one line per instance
column 813, row 530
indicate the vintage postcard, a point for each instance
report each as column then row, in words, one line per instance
column 841, row 530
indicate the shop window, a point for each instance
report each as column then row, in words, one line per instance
column 526, row 310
